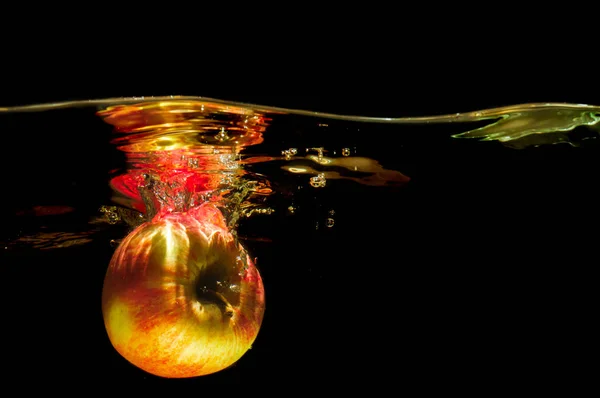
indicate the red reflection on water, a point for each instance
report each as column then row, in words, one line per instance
column 180, row 145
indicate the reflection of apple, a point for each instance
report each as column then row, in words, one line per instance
column 180, row 297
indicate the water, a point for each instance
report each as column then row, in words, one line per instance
column 391, row 250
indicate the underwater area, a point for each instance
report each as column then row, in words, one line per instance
column 391, row 250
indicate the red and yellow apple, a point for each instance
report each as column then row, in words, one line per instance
column 181, row 297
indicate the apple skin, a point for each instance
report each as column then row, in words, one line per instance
column 179, row 300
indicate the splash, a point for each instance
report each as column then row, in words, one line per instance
column 180, row 153
column 533, row 124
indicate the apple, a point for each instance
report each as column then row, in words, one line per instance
column 181, row 296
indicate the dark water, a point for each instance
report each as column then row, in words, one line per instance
column 480, row 269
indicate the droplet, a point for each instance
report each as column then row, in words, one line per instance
column 222, row 135
column 331, row 212
column 345, row 151
column 318, row 181
column 330, row 222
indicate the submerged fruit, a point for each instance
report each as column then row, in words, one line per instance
column 181, row 297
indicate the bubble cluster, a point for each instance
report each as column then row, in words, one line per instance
column 288, row 153
column 110, row 213
column 318, row 181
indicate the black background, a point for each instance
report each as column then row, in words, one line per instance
column 515, row 310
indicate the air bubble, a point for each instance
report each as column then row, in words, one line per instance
column 228, row 161
column 288, row 153
column 319, row 151
column 330, row 222
column 318, row 181
column 320, row 155
column 111, row 214
column 345, row 151
column 251, row 212
column 291, row 209
column 192, row 163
